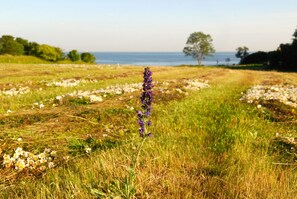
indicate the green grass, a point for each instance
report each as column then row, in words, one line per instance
column 21, row 59
column 207, row 144
column 25, row 59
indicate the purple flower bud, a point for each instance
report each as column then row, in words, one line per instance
column 140, row 122
column 139, row 113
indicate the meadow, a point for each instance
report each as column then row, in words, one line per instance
column 70, row 131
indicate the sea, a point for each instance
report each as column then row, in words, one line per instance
column 162, row 58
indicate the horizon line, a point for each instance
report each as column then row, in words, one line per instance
column 149, row 51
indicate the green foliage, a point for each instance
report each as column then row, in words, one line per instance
column 198, row 46
column 88, row 57
column 284, row 148
column 73, row 55
column 259, row 57
column 285, row 57
column 24, row 59
column 273, row 58
column 118, row 189
column 32, row 49
column 125, row 188
column 81, row 146
column 25, row 44
column 77, row 101
column 49, row 53
column 20, row 46
column 8, row 45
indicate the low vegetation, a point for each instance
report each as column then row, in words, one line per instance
column 283, row 58
column 21, row 48
column 71, row 131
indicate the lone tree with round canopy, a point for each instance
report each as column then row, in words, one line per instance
column 198, row 46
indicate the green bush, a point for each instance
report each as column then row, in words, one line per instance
column 88, row 57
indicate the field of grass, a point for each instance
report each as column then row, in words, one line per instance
column 206, row 143
column 25, row 59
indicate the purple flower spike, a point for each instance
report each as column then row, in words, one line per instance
column 146, row 101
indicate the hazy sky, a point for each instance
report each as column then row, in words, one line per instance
column 149, row 25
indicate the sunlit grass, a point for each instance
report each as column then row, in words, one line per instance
column 206, row 143
column 21, row 59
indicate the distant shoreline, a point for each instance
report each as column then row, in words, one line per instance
column 161, row 58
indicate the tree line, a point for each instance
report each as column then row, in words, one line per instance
column 283, row 58
column 19, row 46
column 200, row 45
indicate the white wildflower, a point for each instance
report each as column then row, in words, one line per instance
column 58, row 98
column 195, row 84
column 47, row 150
column 26, row 154
column 19, row 151
column 51, row 165
column 41, row 155
column 94, row 98
column 285, row 94
column 53, row 153
column 88, row 150
column 20, row 164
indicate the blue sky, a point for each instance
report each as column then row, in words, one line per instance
column 149, row 25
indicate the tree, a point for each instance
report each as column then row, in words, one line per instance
column 88, row 57
column 198, row 46
column 60, row 53
column 9, row 46
column 49, row 53
column 73, row 55
column 242, row 52
column 25, row 43
column 259, row 57
column 274, row 59
column 32, row 49
column 287, row 55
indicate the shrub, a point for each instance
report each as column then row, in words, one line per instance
column 73, row 55
column 88, row 57
column 49, row 53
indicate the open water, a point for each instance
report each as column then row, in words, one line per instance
column 161, row 58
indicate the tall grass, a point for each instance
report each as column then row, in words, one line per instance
column 206, row 144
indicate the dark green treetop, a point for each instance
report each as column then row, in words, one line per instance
column 242, row 52
column 88, row 57
column 73, row 55
column 8, row 45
